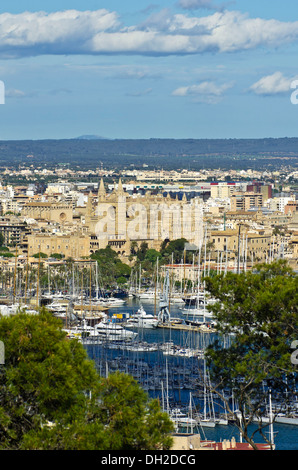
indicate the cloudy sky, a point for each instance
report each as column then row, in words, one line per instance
column 146, row 69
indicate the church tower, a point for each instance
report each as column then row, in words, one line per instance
column 101, row 192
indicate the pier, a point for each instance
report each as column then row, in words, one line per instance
column 185, row 327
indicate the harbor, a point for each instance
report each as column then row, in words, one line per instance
column 160, row 360
column 161, row 344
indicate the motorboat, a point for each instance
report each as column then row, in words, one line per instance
column 142, row 319
column 113, row 331
column 104, row 330
column 147, row 295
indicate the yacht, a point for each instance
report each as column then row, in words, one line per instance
column 108, row 302
column 147, row 295
column 82, row 331
column 104, row 330
column 56, row 307
column 141, row 319
column 112, row 331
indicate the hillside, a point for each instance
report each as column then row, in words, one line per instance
column 166, row 153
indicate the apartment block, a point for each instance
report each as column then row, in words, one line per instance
column 246, row 201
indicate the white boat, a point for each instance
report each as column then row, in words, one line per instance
column 284, row 419
column 82, row 331
column 114, row 301
column 147, row 295
column 108, row 302
column 207, row 423
column 112, row 331
column 280, row 418
column 182, row 419
column 197, row 312
column 141, row 319
column 174, row 299
column 13, row 309
column 104, row 330
column 222, row 421
column 56, row 307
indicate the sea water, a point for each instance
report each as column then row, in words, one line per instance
column 180, row 374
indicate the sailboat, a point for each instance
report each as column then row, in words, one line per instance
column 164, row 313
column 184, row 420
column 208, row 417
column 200, row 299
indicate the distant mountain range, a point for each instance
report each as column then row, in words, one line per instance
column 92, row 150
column 90, row 137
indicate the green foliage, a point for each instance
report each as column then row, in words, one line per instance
column 260, row 310
column 57, row 256
column 110, row 266
column 7, row 254
column 121, row 280
column 141, row 253
column 52, row 398
column 41, row 255
column 174, row 249
column 152, row 255
column 132, row 422
column 167, row 153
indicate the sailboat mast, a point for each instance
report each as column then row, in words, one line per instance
column 271, row 420
column 37, row 287
column 26, row 281
column 15, row 275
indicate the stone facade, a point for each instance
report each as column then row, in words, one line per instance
column 52, row 212
column 119, row 218
column 71, row 246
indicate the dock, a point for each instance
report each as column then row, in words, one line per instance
column 93, row 308
column 184, row 327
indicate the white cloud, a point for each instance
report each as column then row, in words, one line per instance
column 14, row 93
column 204, row 92
column 196, row 4
column 61, row 32
column 137, row 94
column 163, row 33
column 273, row 84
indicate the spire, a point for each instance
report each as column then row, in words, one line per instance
column 101, row 191
column 120, row 187
column 89, row 205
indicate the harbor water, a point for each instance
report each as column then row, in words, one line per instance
column 173, row 378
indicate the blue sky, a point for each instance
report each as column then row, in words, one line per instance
column 148, row 69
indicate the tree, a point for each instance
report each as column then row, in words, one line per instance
column 175, row 249
column 45, row 376
column 152, row 255
column 52, row 398
column 133, row 247
column 110, row 266
column 57, row 255
column 258, row 311
column 40, row 255
column 142, row 251
column 132, row 422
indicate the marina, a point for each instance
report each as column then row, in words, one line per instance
column 162, row 346
column 168, row 362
